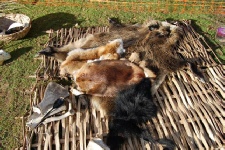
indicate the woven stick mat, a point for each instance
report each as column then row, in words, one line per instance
column 190, row 113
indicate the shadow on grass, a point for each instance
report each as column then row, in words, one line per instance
column 213, row 45
column 204, row 34
column 53, row 21
column 17, row 53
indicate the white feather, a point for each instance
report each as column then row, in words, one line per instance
column 15, row 25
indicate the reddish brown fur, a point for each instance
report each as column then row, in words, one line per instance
column 106, row 78
column 68, row 67
column 77, row 59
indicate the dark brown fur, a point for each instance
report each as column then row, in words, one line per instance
column 105, row 104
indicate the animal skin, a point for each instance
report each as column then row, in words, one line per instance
column 127, row 111
column 78, row 57
column 154, row 41
column 132, row 107
column 106, row 78
column 120, row 87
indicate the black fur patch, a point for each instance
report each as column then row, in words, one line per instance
column 48, row 51
column 133, row 107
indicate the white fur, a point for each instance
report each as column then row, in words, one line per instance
column 74, row 74
column 173, row 27
column 76, row 92
column 120, row 50
column 165, row 24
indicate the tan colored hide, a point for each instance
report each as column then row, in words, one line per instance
column 106, row 78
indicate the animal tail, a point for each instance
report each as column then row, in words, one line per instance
column 48, row 51
column 53, row 52
column 133, row 106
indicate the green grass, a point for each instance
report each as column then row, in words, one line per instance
column 14, row 100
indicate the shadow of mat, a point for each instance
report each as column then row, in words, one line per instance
column 53, row 21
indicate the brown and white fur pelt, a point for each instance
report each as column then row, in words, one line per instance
column 154, row 41
column 78, row 57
